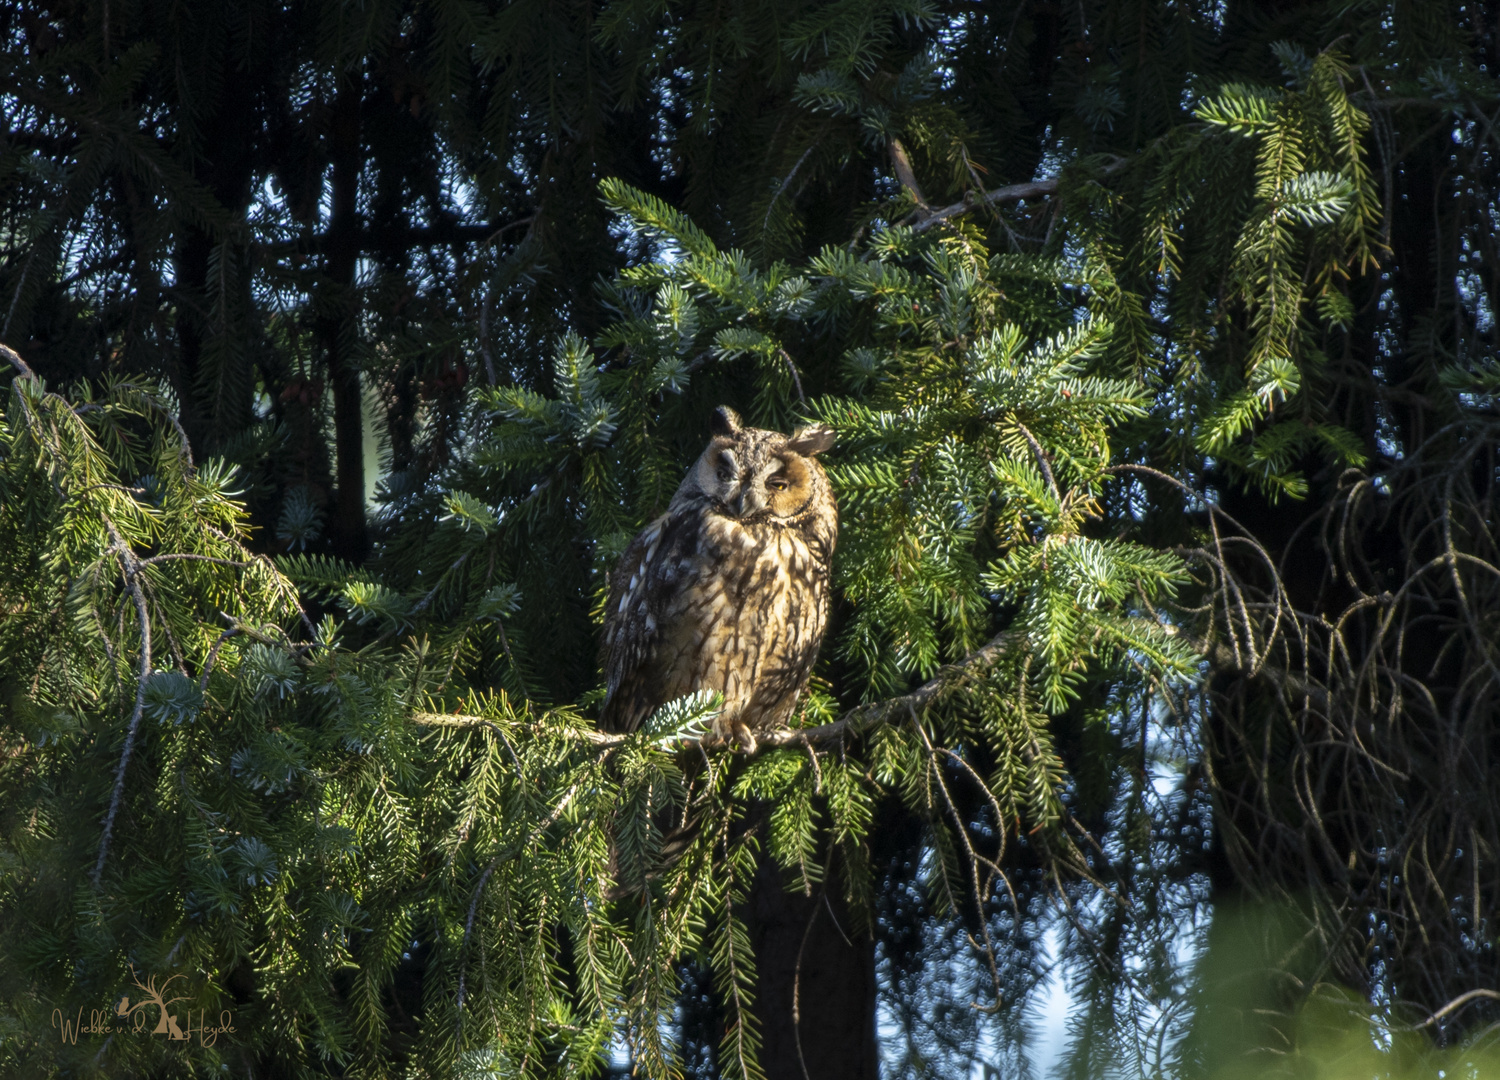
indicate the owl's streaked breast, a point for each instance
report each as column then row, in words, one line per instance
column 753, row 621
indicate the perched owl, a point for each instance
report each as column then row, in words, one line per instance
column 728, row 590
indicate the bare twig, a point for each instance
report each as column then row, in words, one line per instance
column 1457, row 1003
column 15, row 358
column 1033, row 189
column 781, row 188
column 237, row 628
column 484, row 338
column 797, row 991
column 213, row 657
column 796, row 376
column 1041, row 461
column 131, row 570
column 238, row 564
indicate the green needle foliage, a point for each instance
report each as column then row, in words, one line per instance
column 1314, row 222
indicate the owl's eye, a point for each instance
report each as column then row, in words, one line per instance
column 777, row 483
column 726, row 474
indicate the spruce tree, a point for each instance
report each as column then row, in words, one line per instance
column 1158, row 342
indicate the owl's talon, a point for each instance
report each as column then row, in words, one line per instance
column 742, row 739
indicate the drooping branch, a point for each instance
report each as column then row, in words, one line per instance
column 131, row 570
column 505, row 856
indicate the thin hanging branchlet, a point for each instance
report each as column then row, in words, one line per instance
column 130, row 571
column 519, row 849
column 1341, row 691
column 977, row 893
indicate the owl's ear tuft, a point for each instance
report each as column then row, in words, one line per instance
column 725, row 421
column 810, row 440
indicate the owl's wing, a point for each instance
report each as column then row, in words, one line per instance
column 631, row 630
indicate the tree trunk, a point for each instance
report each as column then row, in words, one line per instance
column 816, row 988
column 338, row 326
column 214, row 391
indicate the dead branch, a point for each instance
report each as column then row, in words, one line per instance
column 1032, row 189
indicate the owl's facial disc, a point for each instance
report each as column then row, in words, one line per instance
column 788, row 486
column 720, row 477
column 729, row 468
column 759, row 477
column 771, row 488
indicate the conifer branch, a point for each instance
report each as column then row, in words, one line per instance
column 131, row 570
column 854, row 723
column 864, row 718
column 16, row 361
column 1032, row 189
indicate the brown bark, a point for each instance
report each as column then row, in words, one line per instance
column 211, row 405
column 816, row 986
column 338, row 327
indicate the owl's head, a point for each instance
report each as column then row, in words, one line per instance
column 755, row 475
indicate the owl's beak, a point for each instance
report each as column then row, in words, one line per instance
column 750, row 501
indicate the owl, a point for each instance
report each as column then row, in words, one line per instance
column 729, row 589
